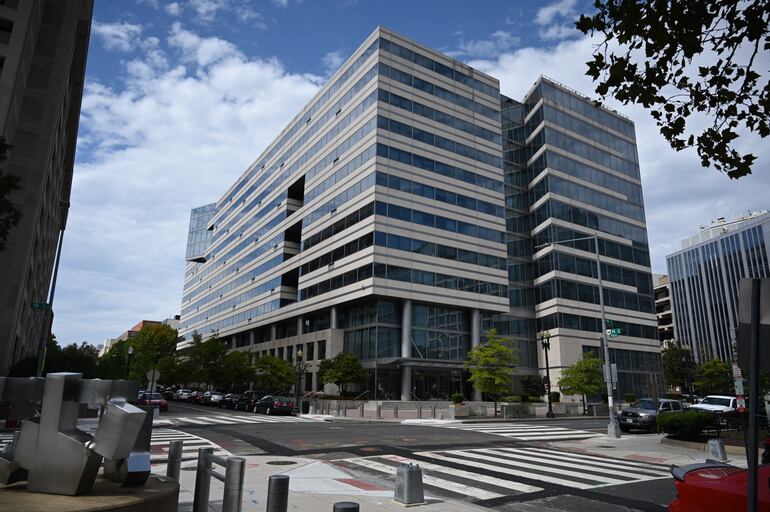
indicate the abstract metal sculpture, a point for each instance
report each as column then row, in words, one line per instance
column 58, row 457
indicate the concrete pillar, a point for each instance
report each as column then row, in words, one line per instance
column 273, row 332
column 251, row 338
column 300, row 324
column 333, row 317
column 234, row 341
column 406, row 383
column 315, row 381
column 475, row 341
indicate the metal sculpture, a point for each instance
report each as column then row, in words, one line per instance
column 59, row 458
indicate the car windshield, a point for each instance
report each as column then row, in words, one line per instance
column 713, row 400
column 645, row 404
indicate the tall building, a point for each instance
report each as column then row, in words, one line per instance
column 408, row 209
column 662, row 294
column 43, row 47
column 705, row 276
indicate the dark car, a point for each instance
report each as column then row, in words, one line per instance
column 274, row 405
column 716, row 487
column 247, row 400
column 643, row 413
column 229, row 401
column 154, row 400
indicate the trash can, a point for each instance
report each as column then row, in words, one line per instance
column 409, row 485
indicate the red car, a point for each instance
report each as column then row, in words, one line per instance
column 154, row 400
column 716, row 487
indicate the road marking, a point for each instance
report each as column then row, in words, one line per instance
column 526, row 431
column 190, row 420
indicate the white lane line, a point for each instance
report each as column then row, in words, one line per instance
column 212, row 418
column 231, row 419
column 190, row 420
column 440, row 483
column 491, row 480
column 555, row 437
column 593, row 458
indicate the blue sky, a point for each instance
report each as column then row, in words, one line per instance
column 182, row 96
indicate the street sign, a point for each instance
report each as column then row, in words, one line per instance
column 738, row 387
column 737, row 371
column 614, row 333
column 153, row 376
column 741, row 403
column 610, row 373
column 39, row 306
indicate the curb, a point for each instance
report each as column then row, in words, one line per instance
column 692, row 445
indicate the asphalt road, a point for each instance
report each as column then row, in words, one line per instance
column 353, row 441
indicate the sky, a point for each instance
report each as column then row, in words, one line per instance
column 180, row 97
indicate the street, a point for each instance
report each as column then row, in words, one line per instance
column 501, row 466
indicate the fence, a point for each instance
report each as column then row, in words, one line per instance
column 233, row 480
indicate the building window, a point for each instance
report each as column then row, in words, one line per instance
column 6, row 27
column 321, row 350
column 309, row 351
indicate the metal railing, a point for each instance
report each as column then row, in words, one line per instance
column 233, row 479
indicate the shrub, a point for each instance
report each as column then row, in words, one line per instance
column 684, row 425
column 457, row 398
column 510, row 398
column 629, row 398
column 555, row 397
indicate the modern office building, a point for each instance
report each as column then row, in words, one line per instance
column 705, row 276
column 43, row 47
column 662, row 295
column 408, row 209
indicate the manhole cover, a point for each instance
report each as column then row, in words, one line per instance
column 280, row 462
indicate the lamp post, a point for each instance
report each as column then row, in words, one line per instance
column 130, row 353
column 613, row 429
column 545, row 341
column 297, row 407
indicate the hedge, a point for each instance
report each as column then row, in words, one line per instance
column 684, row 425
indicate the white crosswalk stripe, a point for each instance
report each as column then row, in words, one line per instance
column 230, row 419
column 161, row 439
column 526, row 431
column 514, row 470
column 5, row 439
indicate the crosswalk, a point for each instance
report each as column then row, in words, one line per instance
column 489, row 473
column 527, row 431
column 5, row 439
column 230, row 419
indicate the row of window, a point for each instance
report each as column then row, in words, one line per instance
column 591, row 324
column 410, row 275
column 336, row 282
column 584, row 150
column 438, row 222
column 412, row 132
column 642, row 281
column 581, row 217
column 439, row 116
column 428, row 164
column 439, row 92
column 301, row 123
column 288, row 352
column 370, row 342
column 339, row 226
column 338, row 200
column 441, row 69
column 342, row 173
column 437, row 194
column 333, row 256
column 253, row 218
column 553, row 160
column 571, row 290
column 586, row 195
column 233, row 302
column 403, row 243
column 214, row 327
column 623, row 252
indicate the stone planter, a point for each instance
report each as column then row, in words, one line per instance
column 459, row 411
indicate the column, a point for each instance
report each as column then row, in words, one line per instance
column 299, row 326
column 406, row 349
column 315, row 381
column 273, row 332
column 475, row 341
column 234, row 341
column 251, row 338
column 333, row 317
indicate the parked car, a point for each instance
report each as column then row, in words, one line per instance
column 229, row 401
column 274, row 405
column 247, row 400
column 182, row 394
column 212, row 397
column 716, row 487
column 716, row 403
column 154, row 400
column 643, row 413
column 195, row 397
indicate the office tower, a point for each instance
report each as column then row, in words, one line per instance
column 705, row 276
column 43, row 47
column 394, row 218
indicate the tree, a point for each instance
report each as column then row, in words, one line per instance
column 10, row 215
column 714, row 377
column 492, row 365
column 678, row 365
column 533, row 385
column 113, row 364
column 207, row 358
column 582, row 378
column 152, row 344
column 81, row 358
column 684, row 58
column 273, row 374
column 236, row 372
column 342, row 369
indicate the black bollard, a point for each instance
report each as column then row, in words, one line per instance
column 278, row 493
column 345, row 506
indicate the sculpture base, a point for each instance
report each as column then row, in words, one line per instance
column 157, row 495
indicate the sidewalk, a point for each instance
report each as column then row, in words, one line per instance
column 314, row 486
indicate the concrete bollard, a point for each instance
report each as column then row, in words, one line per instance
column 419, row 411
column 409, row 485
column 433, row 411
column 174, row 459
column 715, row 450
column 345, row 506
column 395, row 411
column 202, row 480
column 311, row 408
column 379, row 411
column 338, row 408
column 277, row 493
column 362, row 410
column 232, row 499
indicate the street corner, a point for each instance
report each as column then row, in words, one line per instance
column 321, row 477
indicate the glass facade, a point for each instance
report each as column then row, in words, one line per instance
column 198, row 236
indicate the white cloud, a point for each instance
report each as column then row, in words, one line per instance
column 556, row 32
column 174, row 9
column 333, row 60
column 206, row 10
column 181, row 128
column 281, row 3
column 497, row 43
column 562, row 8
column 150, row 3
column 680, row 195
column 121, row 36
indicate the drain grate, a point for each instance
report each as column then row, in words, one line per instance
column 280, row 462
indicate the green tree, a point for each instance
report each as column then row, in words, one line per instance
column 273, row 374
column 342, row 370
column 113, row 364
column 152, row 344
column 207, row 357
column 687, row 57
column 10, row 215
column 678, row 365
column 714, row 378
column 582, row 378
column 83, row 358
column 533, row 385
column 236, row 372
column 492, row 365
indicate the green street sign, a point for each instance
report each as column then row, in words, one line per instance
column 39, row 306
column 614, row 333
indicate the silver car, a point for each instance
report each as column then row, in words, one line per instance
column 643, row 413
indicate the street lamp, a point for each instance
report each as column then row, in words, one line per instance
column 130, row 353
column 297, row 407
column 545, row 340
column 613, row 430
